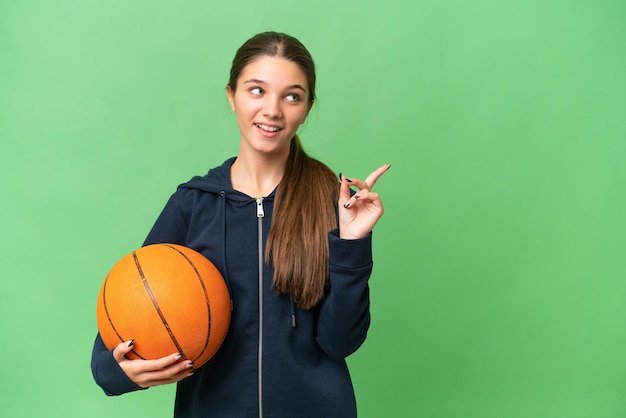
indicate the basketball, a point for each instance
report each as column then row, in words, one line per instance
column 168, row 299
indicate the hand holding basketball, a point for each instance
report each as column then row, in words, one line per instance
column 147, row 373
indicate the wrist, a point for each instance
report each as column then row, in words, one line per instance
column 349, row 236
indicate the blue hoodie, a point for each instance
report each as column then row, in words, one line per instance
column 277, row 360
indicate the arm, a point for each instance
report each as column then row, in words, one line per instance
column 344, row 316
column 117, row 375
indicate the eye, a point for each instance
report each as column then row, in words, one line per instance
column 293, row 97
column 256, row 91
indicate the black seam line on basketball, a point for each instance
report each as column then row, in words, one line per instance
column 106, row 310
column 156, row 306
column 206, row 298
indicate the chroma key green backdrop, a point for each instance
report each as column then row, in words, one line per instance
column 499, row 287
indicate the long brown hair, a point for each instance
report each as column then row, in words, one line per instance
column 304, row 210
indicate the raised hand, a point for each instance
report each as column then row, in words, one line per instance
column 358, row 214
column 146, row 373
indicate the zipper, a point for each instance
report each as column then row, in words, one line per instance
column 260, row 214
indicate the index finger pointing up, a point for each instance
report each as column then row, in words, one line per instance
column 372, row 178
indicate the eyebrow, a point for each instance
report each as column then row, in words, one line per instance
column 257, row 81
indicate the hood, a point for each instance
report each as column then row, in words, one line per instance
column 217, row 181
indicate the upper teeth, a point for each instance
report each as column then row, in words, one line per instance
column 267, row 128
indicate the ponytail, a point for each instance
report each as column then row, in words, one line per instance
column 304, row 213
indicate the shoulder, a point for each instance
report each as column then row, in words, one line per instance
column 213, row 183
column 216, row 178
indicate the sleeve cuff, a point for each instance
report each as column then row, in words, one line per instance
column 353, row 253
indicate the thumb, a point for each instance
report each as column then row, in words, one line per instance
column 120, row 351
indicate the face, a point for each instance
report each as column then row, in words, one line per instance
column 271, row 101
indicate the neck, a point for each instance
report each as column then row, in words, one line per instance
column 257, row 176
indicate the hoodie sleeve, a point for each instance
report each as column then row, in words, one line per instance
column 344, row 316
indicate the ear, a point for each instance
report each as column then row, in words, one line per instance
column 230, row 94
column 307, row 113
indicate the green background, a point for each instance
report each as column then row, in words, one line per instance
column 499, row 284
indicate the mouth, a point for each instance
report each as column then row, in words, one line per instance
column 267, row 128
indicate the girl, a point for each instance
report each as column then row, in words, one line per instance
column 292, row 242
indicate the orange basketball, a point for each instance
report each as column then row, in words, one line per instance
column 168, row 299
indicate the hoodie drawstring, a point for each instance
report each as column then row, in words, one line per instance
column 293, row 313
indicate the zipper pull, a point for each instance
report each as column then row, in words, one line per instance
column 260, row 213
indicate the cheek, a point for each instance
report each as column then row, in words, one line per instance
column 246, row 108
column 302, row 117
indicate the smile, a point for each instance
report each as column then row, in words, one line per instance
column 267, row 128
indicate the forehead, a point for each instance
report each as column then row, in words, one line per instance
column 273, row 70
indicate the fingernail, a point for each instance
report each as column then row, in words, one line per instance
column 345, row 205
column 130, row 344
column 356, row 196
column 349, row 180
column 190, row 365
column 177, row 356
column 340, row 177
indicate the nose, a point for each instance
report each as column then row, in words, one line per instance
column 272, row 107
